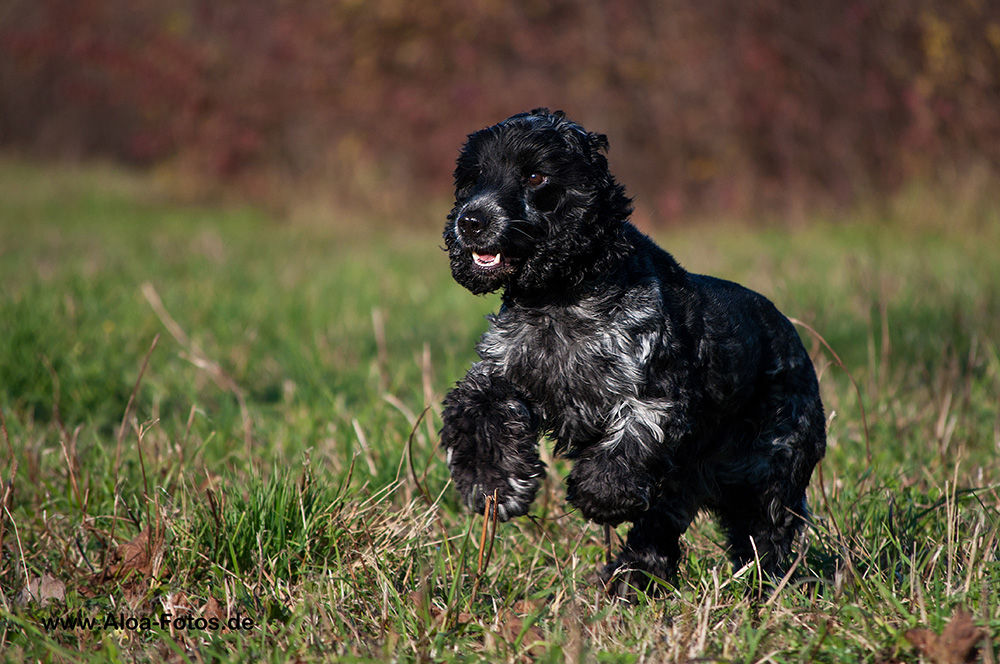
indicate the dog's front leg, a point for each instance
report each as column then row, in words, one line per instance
column 625, row 478
column 490, row 435
column 613, row 481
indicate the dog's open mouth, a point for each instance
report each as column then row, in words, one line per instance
column 488, row 261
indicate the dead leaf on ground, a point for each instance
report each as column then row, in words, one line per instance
column 142, row 554
column 511, row 626
column 213, row 609
column 42, row 589
column 140, row 558
column 955, row 645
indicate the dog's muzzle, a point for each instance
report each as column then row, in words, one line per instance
column 476, row 228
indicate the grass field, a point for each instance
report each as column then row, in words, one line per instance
column 220, row 436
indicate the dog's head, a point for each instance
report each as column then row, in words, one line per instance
column 535, row 206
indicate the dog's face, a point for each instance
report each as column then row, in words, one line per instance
column 535, row 205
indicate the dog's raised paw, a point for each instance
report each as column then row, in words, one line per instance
column 513, row 496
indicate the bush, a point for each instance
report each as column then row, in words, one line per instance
column 715, row 103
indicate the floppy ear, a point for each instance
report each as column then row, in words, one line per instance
column 597, row 146
column 590, row 143
column 593, row 145
column 616, row 204
column 598, row 143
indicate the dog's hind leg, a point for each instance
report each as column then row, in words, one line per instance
column 490, row 436
column 761, row 490
column 762, row 525
column 764, row 513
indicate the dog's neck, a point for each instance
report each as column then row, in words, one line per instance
column 591, row 277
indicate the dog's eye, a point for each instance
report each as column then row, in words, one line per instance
column 536, row 180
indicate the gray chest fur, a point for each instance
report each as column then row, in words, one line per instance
column 580, row 363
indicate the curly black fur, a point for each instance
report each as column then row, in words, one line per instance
column 671, row 391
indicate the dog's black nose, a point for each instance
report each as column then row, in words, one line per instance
column 471, row 223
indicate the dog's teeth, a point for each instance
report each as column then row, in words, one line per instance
column 486, row 260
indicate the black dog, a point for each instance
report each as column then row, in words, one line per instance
column 671, row 391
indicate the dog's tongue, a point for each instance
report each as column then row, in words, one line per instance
column 486, row 260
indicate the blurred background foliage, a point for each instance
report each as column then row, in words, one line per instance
column 711, row 105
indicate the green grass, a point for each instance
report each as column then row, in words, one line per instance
column 275, row 456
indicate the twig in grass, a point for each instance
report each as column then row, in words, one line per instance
column 197, row 357
column 216, row 512
column 17, row 537
column 71, row 466
column 136, row 521
column 489, row 516
column 409, row 457
column 607, row 544
column 493, row 531
column 64, row 437
column 131, row 400
column 381, row 349
column 394, row 401
column 145, row 482
column 121, row 438
column 347, row 479
column 886, row 343
column 482, row 536
column 413, row 472
column 83, row 554
column 187, row 433
column 757, row 567
column 363, row 442
column 850, row 376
